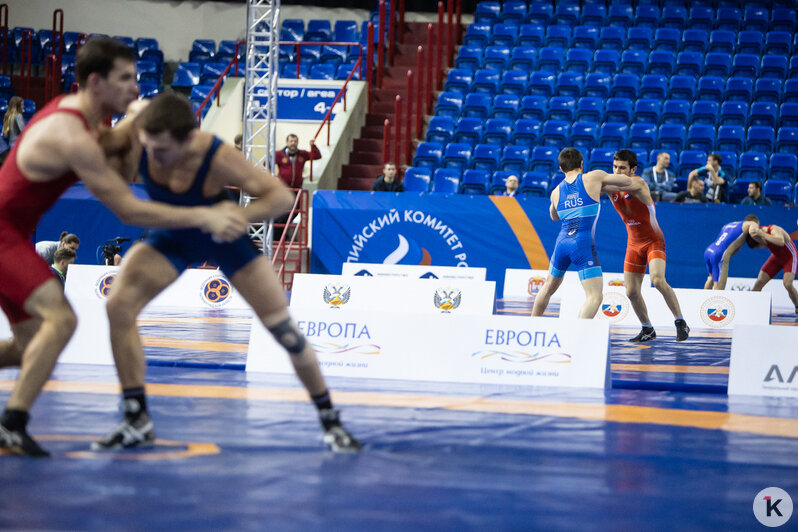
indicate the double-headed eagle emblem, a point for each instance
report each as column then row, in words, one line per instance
column 336, row 294
column 447, row 299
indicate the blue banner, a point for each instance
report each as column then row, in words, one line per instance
column 303, row 104
column 498, row 233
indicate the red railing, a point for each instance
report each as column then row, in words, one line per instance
column 297, row 243
column 300, row 44
column 26, row 60
column 217, row 87
column 381, row 45
column 386, row 141
column 398, row 134
column 4, row 36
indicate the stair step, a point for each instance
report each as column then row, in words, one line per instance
column 371, row 132
column 363, row 171
column 367, row 145
column 353, row 183
column 366, row 157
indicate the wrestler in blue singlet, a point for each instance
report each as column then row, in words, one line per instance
column 714, row 253
column 576, row 243
column 185, row 247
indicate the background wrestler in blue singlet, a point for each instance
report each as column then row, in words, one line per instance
column 719, row 253
column 575, row 201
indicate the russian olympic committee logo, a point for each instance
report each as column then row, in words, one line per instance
column 534, row 285
column 103, row 285
column 216, row 291
column 447, row 298
column 772, row 507
column 336, row 294
column 717, row 312
column 614, row 307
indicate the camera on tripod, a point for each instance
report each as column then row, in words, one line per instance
column 111, row 248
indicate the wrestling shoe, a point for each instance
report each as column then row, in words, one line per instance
column 646, row 334
column 682, row 330
column 336, row 437
column 19, row 442
column 139, row 432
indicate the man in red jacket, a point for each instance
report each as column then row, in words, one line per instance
column 291, row 161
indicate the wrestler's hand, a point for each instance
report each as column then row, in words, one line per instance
column 225, row 222
column 753, row 230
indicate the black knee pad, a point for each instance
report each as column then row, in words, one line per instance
column 289, row 336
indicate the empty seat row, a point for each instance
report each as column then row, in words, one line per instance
column 452, row 181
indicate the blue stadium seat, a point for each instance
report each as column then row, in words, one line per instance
column 486, row 157
column 319, row 31
column 788, row 115
column 186, row 75
column 499, row 179
column 449, row 104
column 704, row 112
column 459, row 80
column 544, row 159
column 514, row 82
column 541, row 84
column 534, row 107
column 700, row 137
column 343, row 71
column 607, row 61
column 782, row 20
column 557, row 36
column 767, row 90
column 728, row 18
column 335, row 55
column 648, row 111
column 634, row 62
column 625, row 86
column 131, row 43
column 689, row 160
column 729, row 160
column 667, row 39
column 497, row 132
column 583, row 135
column 710, row 88
column 674, row 17
column 717, row 64
column 773, row 66
column 695, row 40
column 784, row 167
column 445, row 181
column 585, row 37
column 739, row 90
column 417, row 179
column 531, row 35
column 778, row 42
column 750, row 42
column 468, row 130
column 515, row 158
column 647, row 15
column 653, row 86
column 618, row 110
column 689, row 64
column 562, row 108
column 569, row 84
column 540, row 13
column 469, row 57
column 142, row 44
column 756, row 18
column 787, row 140
column 676, row 112
column 593, row 14
column 790, row 90
column 428, row 155
column 640, row 39
column 745, row 65
column 730, row 138
column 345, row 31
column 457, row 155
column 148, row 91
column 613, row 135
column 486, row 81
column 477, row 35
column 289, row 71
column 148, row 72
column 523, row 58
column 778, row 192
column 487, row 12
column 475, row 181
column 551, row 59
column 554, row 133
column 642, row 136
column 440, row 129
column 295, row 26
column 477, row 105
column 579, row 60
column 601, row 159
column 505, row 106
column 682, row 88
column 513, row 11
column 722, row 41
column 504, row 35
column 566, row 13
column 753, row 166
column 764, row 114
column 619, row 15
column 738, row 190
column 589, row 109
column 322, row 71
column 496, row 58
column 671, row 137
column 701, row 18
column 733, row 114
column 597, row 85
column 535, row 184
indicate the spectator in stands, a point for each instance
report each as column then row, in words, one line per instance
column 755, row 196
column 63, row 258
column 714, row 178
column 46, row 248
column 291, row 161
column 238, row 141
column 511, row 186
column 14, row 122
column 660, row 179
column 694, row 192
column 387, row 182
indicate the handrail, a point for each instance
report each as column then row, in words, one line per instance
column 217, row 88
column 26, row 59
column 449, row 31
column 300, row 44
column 439, row 47
column 401, row 32
column 430, row 61
column 386, row 141
column 282, row 250
column 459, row 17
column 82, row 38
column 4, row 36
column 391, row 31
column 50, row 77
column 398, row 134
column 381, row 45
column 420, row 102
column 408, row 115
column 57, row 39
column 369, row 61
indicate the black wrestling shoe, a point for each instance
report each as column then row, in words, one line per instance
column 19, row 442
column 646, row 334
column 336, row 437
column 139, row 432
column 682, row 330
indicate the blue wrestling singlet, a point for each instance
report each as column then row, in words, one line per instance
column 186, row 247
column 576, row 242
column 714, row 253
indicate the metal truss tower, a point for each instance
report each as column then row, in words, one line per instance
column 260, row 97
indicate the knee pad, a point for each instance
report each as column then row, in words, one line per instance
column 289, row 336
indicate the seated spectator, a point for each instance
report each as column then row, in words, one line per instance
column 714, row 178
column 46, row 248
column 63, row 258
column 694, row 192
column 13, row 122
column 238, row 142
column 387, row 182
column 660, row 179
column 511, row 186
column 755, row 196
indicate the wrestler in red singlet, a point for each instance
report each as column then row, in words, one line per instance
column 646, row 240
column 785, row 256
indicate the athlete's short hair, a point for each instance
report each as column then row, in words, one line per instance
column 64, row 254
column 98, row 56
column 718, row 159
column 627, row 156
column 169, row 112
column 751, row 218
column 756, row 184
column 569, row 159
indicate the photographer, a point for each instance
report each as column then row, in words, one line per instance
column 112, row 251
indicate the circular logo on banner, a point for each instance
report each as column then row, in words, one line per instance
column 614, row 307
column 534, row 285
column 772, row 507
column 447, row 298
column 337, row 294
column 717, row 312
column 216, row 291
column 103, row 285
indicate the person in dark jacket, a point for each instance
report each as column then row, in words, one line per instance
column 388, row 182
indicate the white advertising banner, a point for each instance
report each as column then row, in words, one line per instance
column 702, row 309
column 87, row 288
column 442, row 296
column 445, row 348
column 764, row 361
column 781, row 300
column 413, row 271
column 527, row 283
